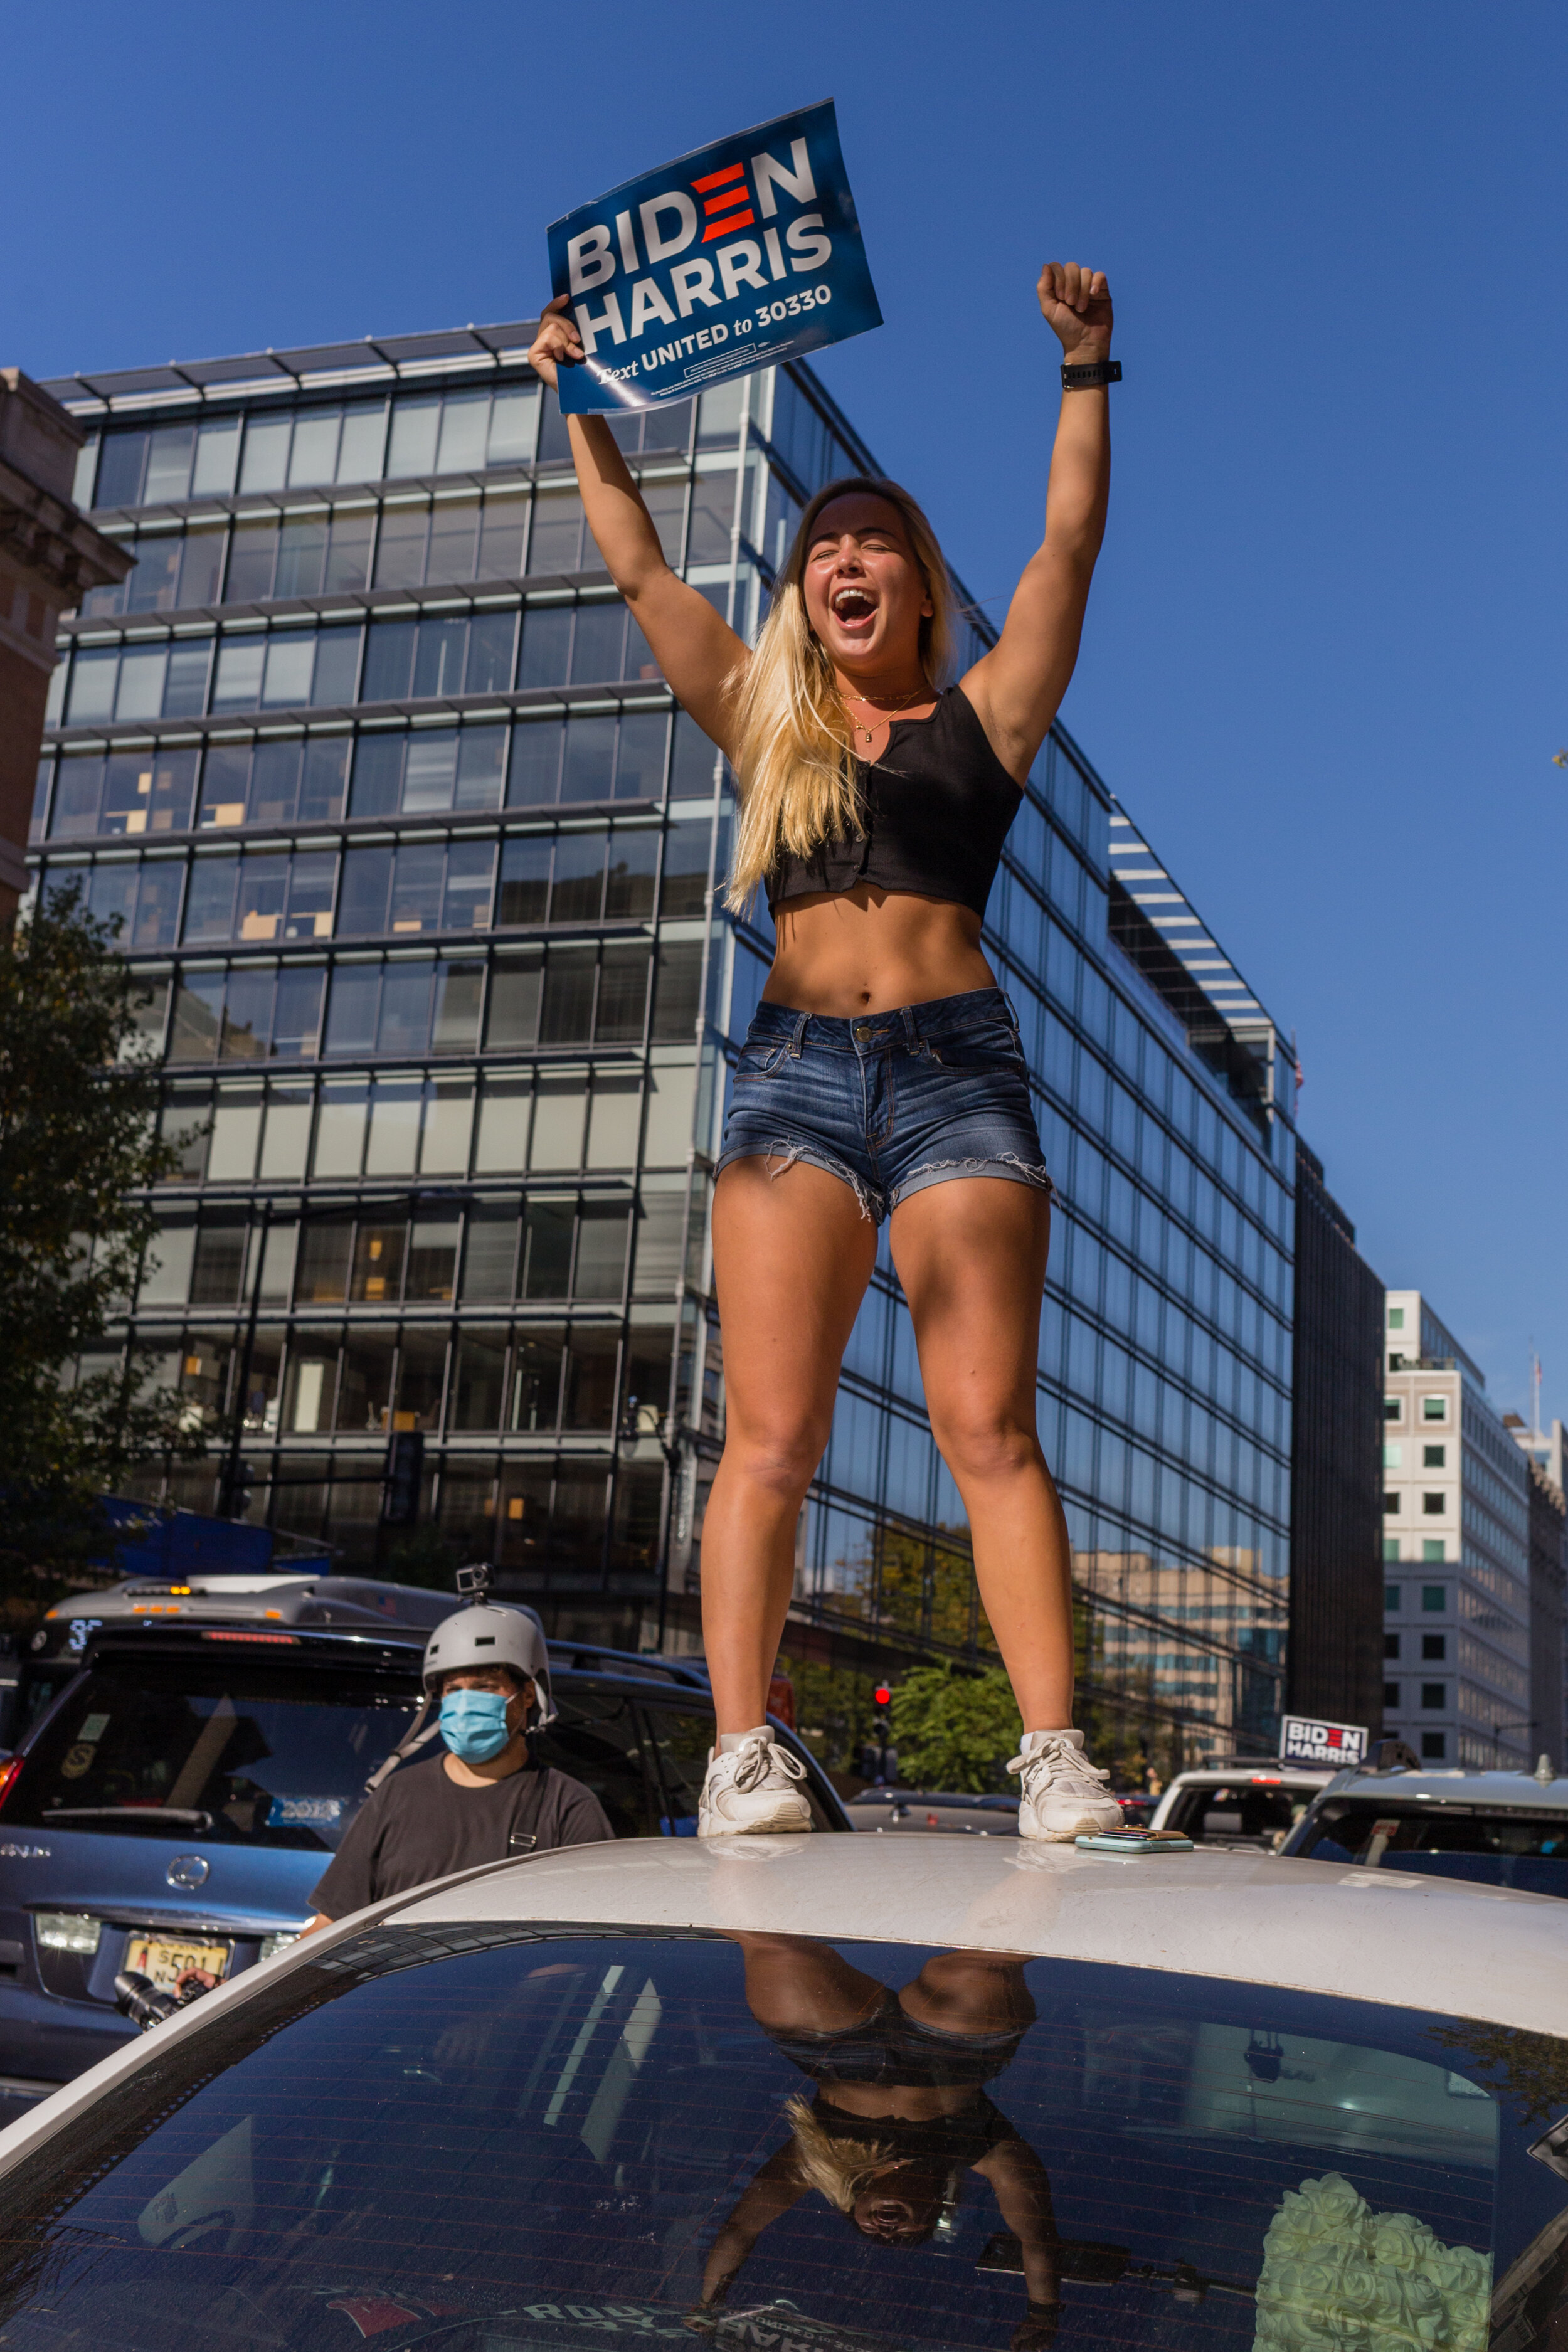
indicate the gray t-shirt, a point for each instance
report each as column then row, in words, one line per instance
column 421, row 1824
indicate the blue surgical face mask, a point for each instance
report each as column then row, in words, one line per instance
column 473, row 1724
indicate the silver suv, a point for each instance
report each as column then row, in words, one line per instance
column 1496, row 1828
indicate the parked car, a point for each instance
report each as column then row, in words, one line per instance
column 177, row 1797
column 933, row 1809
column 1239, row 1804
column 593, row 2095
column 1495, row 1829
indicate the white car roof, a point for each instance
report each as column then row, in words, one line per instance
column 1271, row 1776
column 1517, row 1790
column 1364, row 1935
column 1370, row 1935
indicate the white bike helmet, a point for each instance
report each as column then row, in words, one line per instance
column 488, row 1634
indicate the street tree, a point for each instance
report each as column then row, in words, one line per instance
column 79, row 1145
column 954, row 1730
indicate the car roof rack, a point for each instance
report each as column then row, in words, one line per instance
column 1393, row 1755
column 586, row 1657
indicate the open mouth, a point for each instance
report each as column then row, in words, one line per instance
column 853, row 606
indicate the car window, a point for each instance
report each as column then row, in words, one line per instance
column 681, row 1739
column 1527, row 1852
column 1242, row 1813
column 226, row 1748
column 521, row 2138
column 598, row 1739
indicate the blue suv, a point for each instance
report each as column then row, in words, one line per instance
column 175, row 1800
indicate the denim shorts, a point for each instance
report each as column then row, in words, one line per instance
column 889, row 1103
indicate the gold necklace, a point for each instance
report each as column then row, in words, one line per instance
column 886, row 716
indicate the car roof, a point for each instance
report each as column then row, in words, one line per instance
column 1518, row 1792
column 1216, row 1776
column 1476, row 1952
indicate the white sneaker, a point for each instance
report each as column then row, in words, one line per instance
column 750, row 1790
column 1061, row 1794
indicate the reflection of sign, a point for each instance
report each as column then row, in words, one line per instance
column 1305, row 1740
column 737, row 256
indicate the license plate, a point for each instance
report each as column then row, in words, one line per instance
column 161, row 1958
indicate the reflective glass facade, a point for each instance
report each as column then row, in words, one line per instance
column 414, row 858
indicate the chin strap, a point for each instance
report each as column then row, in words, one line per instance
column 413, row 1738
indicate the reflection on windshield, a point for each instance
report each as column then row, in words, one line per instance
column 503, row 2136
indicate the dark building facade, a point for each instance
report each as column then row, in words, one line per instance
column 414, row 859
column 1548, row 1533
column 1336, row 1666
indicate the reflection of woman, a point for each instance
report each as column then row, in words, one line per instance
column 882, row 1076
column 900, row 2111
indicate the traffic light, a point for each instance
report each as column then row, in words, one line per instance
column 401, row 1478
column 882, row 1695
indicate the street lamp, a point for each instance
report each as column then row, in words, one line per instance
column 1520, row 1723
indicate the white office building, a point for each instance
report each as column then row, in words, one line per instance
column 1456, row 1550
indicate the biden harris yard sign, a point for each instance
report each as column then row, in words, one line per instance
column 736, row 258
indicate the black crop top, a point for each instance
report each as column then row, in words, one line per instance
column 936, row 808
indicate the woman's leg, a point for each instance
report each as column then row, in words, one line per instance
column 797, row 1984
column 971, row 1255
column 971, row 1992
column 792, row 1257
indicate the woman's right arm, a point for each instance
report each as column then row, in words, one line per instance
column 696, row 650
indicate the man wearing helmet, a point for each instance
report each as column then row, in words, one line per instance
column 488, row 1670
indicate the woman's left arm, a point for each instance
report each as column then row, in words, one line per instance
column 1016, row 689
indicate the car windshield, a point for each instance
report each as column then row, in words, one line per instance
column 230, row 1749
column 521, row 2137
column 1527, row 1852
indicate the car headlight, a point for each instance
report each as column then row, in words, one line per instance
column 279, row 1942
column 67, row 1931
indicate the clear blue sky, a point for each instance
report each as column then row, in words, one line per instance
column 1323, row 666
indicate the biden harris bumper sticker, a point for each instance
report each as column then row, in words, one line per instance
column 736, row 258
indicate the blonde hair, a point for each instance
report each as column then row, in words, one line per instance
column 791, row 732
column 842, row 2170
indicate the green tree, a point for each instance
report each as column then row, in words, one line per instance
column 954, row 1730
column 78, row 1097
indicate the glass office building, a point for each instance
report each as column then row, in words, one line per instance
column 415, row 860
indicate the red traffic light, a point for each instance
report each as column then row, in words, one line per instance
column 882, row 1695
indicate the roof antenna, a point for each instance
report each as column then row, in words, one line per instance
column 474, row 1582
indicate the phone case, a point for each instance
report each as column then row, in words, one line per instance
column 1131, row 1844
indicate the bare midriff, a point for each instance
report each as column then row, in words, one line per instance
column 843, row 952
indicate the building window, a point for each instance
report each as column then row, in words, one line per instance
column 1391, row 1596
column 1434, row 1458
column 1396, row 1319
column 1434, row 1506
column 1391, row 1645
column 1434, row 1746
column 1434, row 1695
column 1434, row 1408
column 1435, row 1648
column 1394, row 1408
column 1392, row 1506
column 1433, row 1548
column 1434, row 1596
column 1396, row 1363
column 1393, row 1454
column 1391, row 1551
column 1391, row 1697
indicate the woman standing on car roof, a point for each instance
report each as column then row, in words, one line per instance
column 882, row 1076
